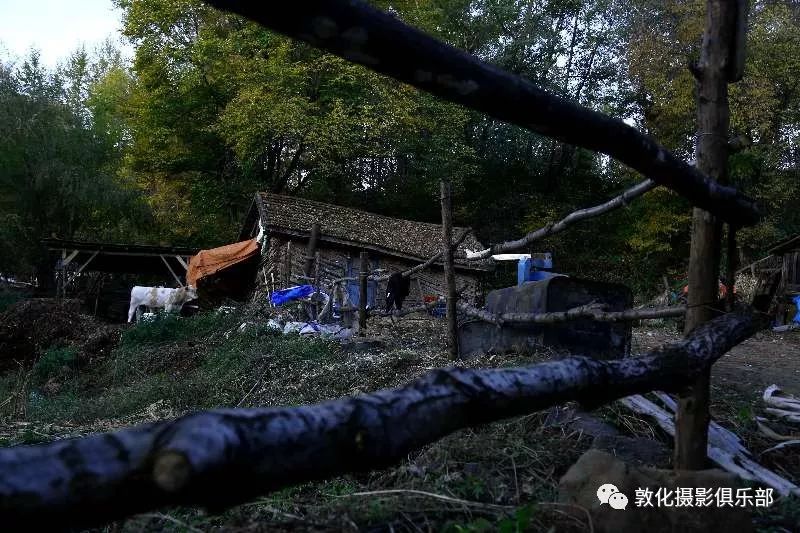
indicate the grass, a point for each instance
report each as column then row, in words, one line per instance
column 499, row 477
column 489, row 475
column 180, row 363
column 7, row 299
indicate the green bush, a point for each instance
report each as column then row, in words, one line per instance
column 53, row 362
column 167, row 327
column 7, row 299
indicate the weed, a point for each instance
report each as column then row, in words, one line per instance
column 167, row 327
column 54, row 361
column 9, row 299
column 783, row 515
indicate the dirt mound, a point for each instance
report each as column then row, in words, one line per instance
column 30, row 327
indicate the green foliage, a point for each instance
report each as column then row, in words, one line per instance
column 519, row 522
column 214, row 107
column 169, row 327
column 56, row 168
column 7, row 299
column 53, row 362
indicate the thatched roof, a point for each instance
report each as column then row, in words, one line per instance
column 292, row 216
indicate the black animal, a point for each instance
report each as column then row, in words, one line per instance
column 397, row 288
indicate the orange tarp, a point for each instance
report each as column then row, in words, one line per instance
column 209, row 262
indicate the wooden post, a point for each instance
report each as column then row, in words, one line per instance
column 308, row 267
column 362, row 293
column 449, row 270
column 713, row 120
column 316, row 285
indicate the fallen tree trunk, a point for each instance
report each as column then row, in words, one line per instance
column 582, row 214
column 362, row 34
column 222, row 457
column 592, row 311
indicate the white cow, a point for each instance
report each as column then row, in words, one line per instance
column 156, row 297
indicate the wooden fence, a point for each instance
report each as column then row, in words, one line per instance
column 222, row 457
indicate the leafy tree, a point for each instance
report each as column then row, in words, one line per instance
column 53, row 165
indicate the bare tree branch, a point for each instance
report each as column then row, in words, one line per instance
column 222, row 457
column 362, row 34
column 557, row 227
column 591, row 311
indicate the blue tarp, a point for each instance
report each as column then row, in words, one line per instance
column 290, row 294
column 797, row 303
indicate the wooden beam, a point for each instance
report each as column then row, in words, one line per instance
column 311, row 249
column 449, row 272
column 182, row 262
column 363, row 34
column 363, row 274
column 72, row 278
column 177, row 279
column 67, row 259
column 86, row 263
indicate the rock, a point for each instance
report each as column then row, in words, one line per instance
column 637, row 450
column 51, row 388
column 596, row 468
column 364, row 344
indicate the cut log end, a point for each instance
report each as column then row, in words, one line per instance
column 172, row 471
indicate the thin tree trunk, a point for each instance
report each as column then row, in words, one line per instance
column 692, row 418
column 449, row 267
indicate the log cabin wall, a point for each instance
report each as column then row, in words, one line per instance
column 283, row 260
column 394, row 245
column 791, row 271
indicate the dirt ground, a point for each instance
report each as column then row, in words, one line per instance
column 765, row 359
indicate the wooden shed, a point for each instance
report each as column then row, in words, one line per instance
column 780, row 269
column 393, row 244
column 786, row 254
column 788, row 251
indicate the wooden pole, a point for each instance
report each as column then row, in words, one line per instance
column 713, row 120
column 308, row 267
column 316, row 285
column 449, row 270
column 362, row 293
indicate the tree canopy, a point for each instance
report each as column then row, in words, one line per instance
column 213, row 108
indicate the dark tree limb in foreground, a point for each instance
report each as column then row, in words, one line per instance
column 362, row 34
column 222, row 457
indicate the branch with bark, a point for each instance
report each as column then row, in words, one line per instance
column 362, row 34
column 222, row 457
column 590, row 311
column 557, row 227
column 436, row 257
